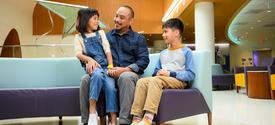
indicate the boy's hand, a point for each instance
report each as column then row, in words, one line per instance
column 163, row 72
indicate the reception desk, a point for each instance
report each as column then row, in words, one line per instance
column 258, row 84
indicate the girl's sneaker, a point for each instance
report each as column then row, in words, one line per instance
column 93, row 119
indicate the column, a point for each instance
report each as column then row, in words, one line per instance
column 204, row 27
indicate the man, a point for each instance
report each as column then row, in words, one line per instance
column 130, row 57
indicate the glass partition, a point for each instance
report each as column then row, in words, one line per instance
column 37, row 51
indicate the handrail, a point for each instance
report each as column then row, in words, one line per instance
column 52, row 46
column 38, row 45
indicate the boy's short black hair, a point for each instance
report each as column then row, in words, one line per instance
column 84, row 16
column 174, row 23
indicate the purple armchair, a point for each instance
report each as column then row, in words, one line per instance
column 219, row 79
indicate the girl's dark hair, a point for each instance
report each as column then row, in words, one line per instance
column 83, row 19
column 174, row 23
column 79, row 15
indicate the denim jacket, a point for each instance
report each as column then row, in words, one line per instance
column 129, row 50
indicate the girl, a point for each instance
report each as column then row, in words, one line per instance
column 92, row 48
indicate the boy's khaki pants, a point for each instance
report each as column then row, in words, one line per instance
column 148, row 93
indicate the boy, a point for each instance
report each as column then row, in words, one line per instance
column 174, row 68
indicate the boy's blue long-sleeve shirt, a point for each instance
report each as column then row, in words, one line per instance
column 179, row 62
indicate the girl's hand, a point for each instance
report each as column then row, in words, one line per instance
column 91, row 65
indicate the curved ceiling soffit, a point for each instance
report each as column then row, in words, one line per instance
column 228, row 32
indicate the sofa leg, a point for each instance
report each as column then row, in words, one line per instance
column 160, row 123
column 60, row 122
column 209, row 115
column 102, row 120
column 230, row 86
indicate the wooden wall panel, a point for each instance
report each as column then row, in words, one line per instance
column 151, row 16
column 166, row 4
column 148, row 15
column 41, row 20
column 42, row 23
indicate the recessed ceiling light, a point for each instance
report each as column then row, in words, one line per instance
column 259, row 21
column 268, row 11
column 252, row 27
column 246, row 33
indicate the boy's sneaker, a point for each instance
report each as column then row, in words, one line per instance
column 145, row 121
column 135, row 120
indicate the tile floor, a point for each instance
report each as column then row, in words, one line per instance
column 229, row 108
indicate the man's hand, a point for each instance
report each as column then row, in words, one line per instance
column 163, row 72
column 111, row 72
column 119, row 70
column 91, row 65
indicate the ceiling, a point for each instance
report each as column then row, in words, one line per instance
column 255, row 23
column 224, row 11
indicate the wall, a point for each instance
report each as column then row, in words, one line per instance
column 18, row 14
column 13, row 15
column 245, row 50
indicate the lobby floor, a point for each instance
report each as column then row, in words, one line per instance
column 229, row 108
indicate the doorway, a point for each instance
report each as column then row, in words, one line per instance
column 262, row 57
column 11, row 47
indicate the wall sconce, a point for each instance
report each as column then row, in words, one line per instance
column 243, row 61
column 250, row 60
